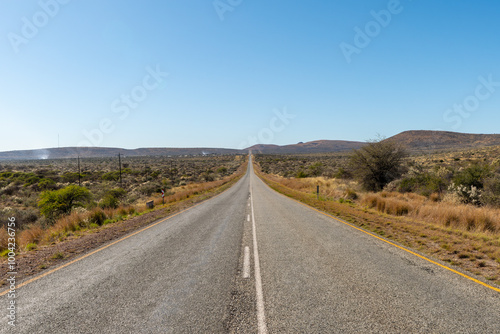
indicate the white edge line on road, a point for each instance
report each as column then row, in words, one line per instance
column 246, row 263
column 261, row 316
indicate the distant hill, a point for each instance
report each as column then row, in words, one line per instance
column 98, row 152
column 317, row 146
column 415, row 141
column 423, row 140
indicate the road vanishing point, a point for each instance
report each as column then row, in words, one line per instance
column 253, row 261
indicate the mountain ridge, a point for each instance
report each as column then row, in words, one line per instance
column 415, row 140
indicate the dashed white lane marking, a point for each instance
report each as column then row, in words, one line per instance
column 246, row 263
column 248, row 218
column 261, row 316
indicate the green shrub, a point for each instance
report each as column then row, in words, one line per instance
column 58, row 255
column 424, row 183
column 108, row 221
column 112, row 198
column 342, row 174
column 31, row 180
column 97, row 217
column 111, row 176
column 46, row 184
column 6, row 175
column 473, row 176
column 301, row 174
column 222, row 170
column 316, row 169
column 71, row 177
column 491, row 194
column 108, row 201
column 55, row 203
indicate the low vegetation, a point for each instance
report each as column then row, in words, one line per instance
column 50, row 206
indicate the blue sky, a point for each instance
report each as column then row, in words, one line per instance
column 232, row 73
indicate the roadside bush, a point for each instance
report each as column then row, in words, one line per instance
column 208, row 176
column 377, row 163
column 97, row 216
column 222, row 170
column 473, row 176
column 55, row 203
column 491, row 193
column 342, row 174
column 350, row 194
column 112, row 198
column 23, row 217
column 316, row 169
column 465, row 194
column 108, row 201
column 301, row 174
column 424, row 184
column 150, row 188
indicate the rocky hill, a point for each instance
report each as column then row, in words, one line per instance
column 444, row 140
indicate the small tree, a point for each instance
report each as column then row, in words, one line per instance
column 112, row 198
column 377, row 163
column 55, row 203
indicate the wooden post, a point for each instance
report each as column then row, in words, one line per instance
column 120, row 163
column 79, row 173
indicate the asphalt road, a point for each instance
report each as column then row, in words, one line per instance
column 307, row 273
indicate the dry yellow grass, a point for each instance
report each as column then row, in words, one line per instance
column 431, row 210
column 334, row 188
column 460, row 216
column 29, row 236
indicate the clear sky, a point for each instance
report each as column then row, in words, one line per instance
column 232, row 73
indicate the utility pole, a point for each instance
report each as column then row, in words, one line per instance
column 120, row 163
column 79, row 173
